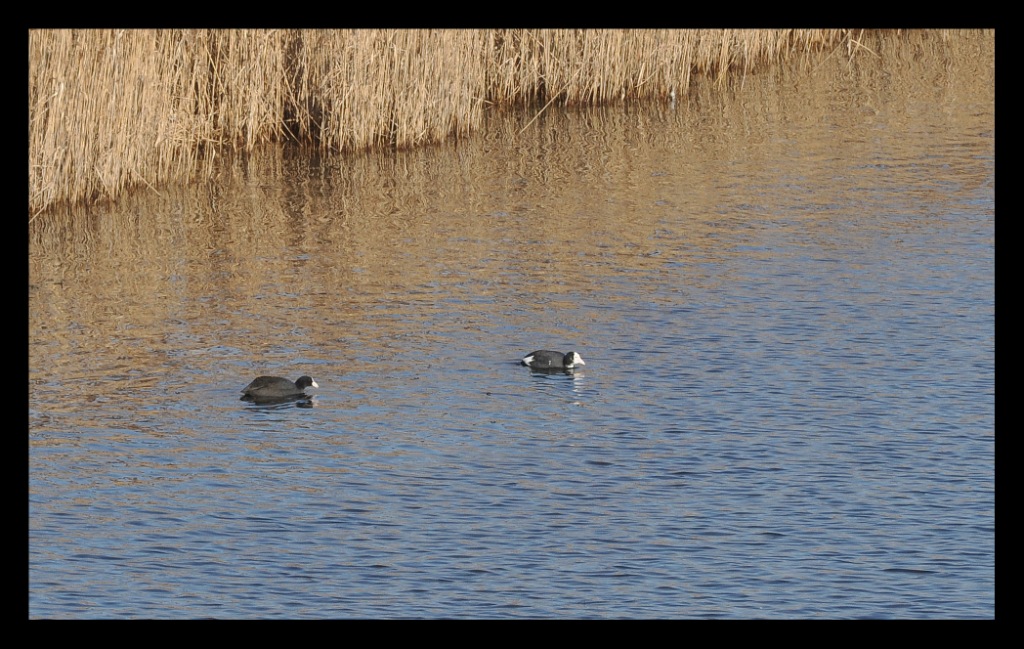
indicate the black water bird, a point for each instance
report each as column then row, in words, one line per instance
column 544, row 359
column 275, row 387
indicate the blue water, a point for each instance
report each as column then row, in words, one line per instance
column 787, row 409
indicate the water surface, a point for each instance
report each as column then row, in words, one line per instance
column 784, row 293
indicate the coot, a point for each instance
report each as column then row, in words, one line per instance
column 275, row 387
column 547, row 360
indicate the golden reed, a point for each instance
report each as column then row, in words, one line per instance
column 111, row 110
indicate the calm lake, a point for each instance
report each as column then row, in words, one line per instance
column 783, row 290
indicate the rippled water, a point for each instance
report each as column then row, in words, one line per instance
column 784, row 295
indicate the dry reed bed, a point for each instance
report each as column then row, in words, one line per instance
column 110, row 110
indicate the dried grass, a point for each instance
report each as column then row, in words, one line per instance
column 110, row 110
